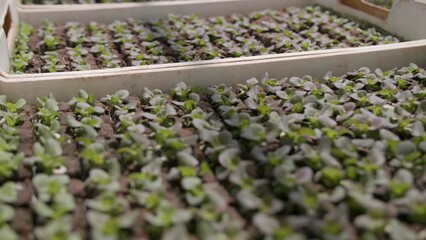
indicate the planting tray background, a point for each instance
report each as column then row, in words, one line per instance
column 404, row 20
column 20, row 4
column 64, row 86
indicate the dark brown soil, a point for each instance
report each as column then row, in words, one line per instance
column 76, row 188
column 36, row 64
column 69, row 146
column 79, row 219
column 25, row 193
column 91, row 60
column 26, row 134
column 171, row 193
column 25, row 131
column 22, row 223
column 139, row 226
column 64, row 59
column 33, row 43
column 106, row 133
column 206, row 107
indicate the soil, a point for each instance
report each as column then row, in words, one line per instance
column 33, row 43
column 26, row 134
column 61, row 49
column 79, row 219
column 139, row 226
column 76, row 188
column 24, row 172
column 114, row 51
column 22, row 223
column 91, row 60
column 106, row 133
column 210, row 179
column 36, row 63
column 25, row 193
column 69, row 146
column 124, row 185
column 171, row 193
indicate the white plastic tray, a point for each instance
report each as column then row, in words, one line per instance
column 405, row 20
column 20, row 5
column 64, row 86
column 4, row 49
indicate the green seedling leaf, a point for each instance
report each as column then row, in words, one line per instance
column 73, row 123
column 265, row 223
column 254, row 132
column 8, row 192
column 189, row 183
column 102, row 180
column 53, row 148
column 6, row 213
column 122, row 94
column 58, row 229
column 187, row 159
column 7, row 232
column 397, row 231
column 107, row 203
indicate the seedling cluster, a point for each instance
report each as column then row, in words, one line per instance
column 186, row 38
column 23, row 54
column 341, row 157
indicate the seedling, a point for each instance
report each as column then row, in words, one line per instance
column 48, row 112
column 53, row 200
column 9, row 164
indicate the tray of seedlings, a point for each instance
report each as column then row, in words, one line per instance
column 294, row 157
column 63, row 86
column 38, row 4
column 185, row 38
column 77, row 43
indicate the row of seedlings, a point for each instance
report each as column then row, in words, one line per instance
column 225, row 145
column 102, row 46
column 80, row 58
column 13, row 173
column 23, row 54
column 52, row 48
column 209, row 202
column 106, row 209
column 53, row 205
column 138, row 44
column 158, row 210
